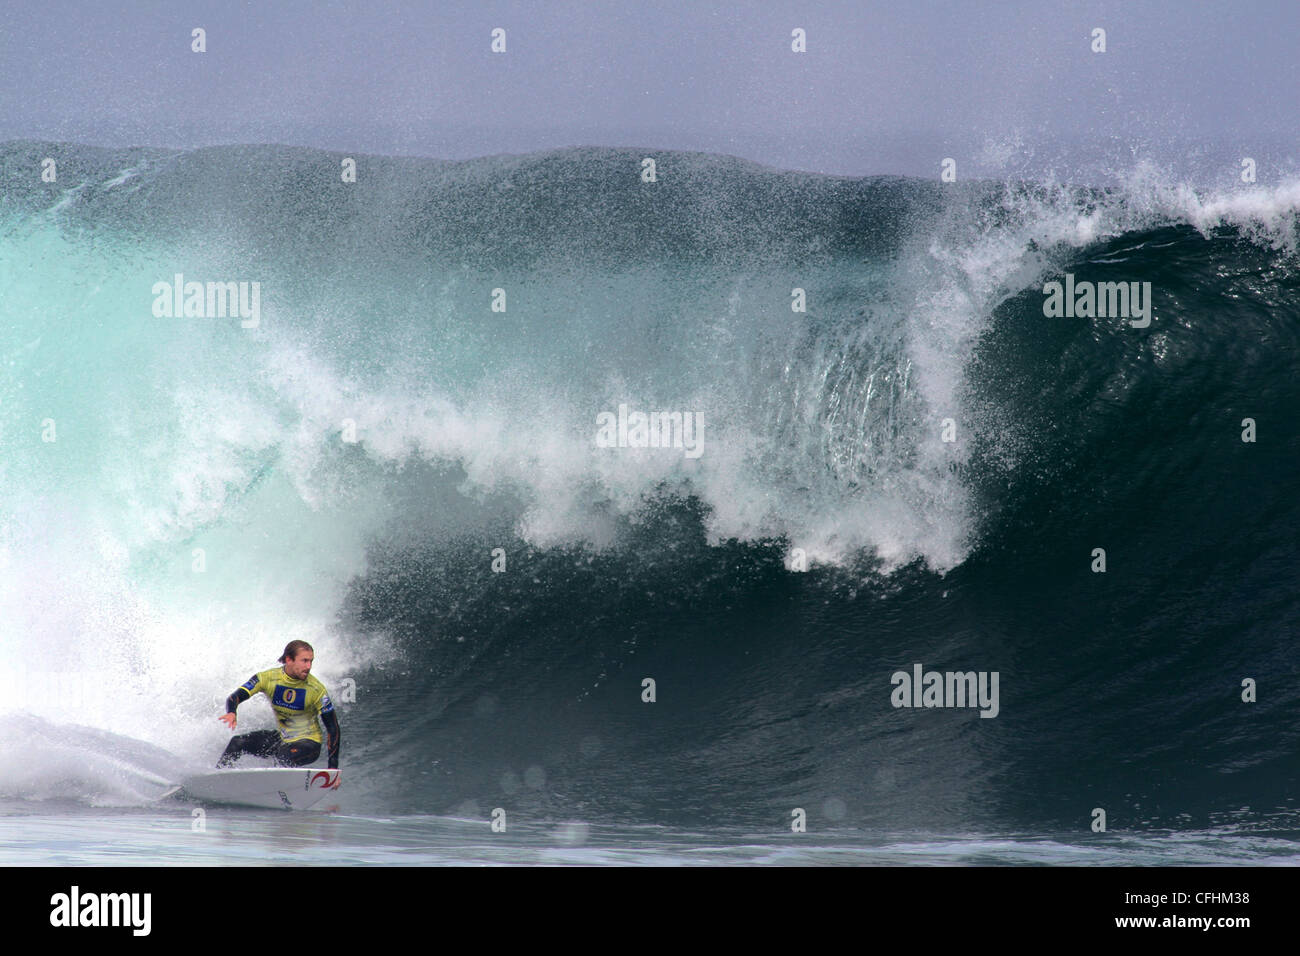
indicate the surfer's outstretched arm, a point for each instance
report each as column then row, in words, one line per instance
column 234, row 700
column 241, row 694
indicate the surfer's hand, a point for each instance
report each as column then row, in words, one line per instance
column 229, row 719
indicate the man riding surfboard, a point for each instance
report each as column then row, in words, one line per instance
column 298, row 700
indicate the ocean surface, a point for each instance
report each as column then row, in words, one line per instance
column 397, row 455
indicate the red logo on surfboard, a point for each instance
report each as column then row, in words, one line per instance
column 330, row 778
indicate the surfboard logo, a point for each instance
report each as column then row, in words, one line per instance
column 330, row 778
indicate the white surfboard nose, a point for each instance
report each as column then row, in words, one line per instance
column 273, row 788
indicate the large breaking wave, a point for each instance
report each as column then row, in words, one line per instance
column 202, row 503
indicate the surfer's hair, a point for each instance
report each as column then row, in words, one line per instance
column 293, row 649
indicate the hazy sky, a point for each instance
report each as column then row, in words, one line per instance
column 884, row 87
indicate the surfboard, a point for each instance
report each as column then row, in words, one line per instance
column 275, row 788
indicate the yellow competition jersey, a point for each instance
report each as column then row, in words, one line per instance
column 296, row 703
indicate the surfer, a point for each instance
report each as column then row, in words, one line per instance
column 298, row 699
